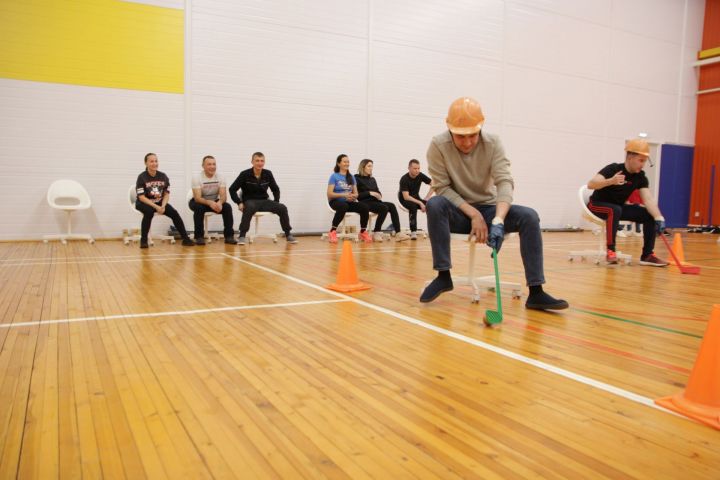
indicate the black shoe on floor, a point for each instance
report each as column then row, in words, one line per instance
column 436, row 287
column 543, row 301
column 199, row 241
column 188, row 243
column 230, row 241
column 143, row 244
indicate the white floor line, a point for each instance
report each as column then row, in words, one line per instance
column 478, row 343
column 167, row 314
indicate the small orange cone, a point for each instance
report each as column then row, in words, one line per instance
column 677, row 248
column 701, row 398
column 347, row 279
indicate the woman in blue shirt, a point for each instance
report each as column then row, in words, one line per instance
column 343, row 197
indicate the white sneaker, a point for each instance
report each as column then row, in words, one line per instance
column 413, row 235
column 401, row 237
column 378, row 237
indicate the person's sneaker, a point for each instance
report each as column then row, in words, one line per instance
column 651, row 260
column 401, row 237
column 435, row 288
column 143, row 244
column 199, row 241
column 413, row 235
column 332, row 236
column 364, row 236
column 621, row 233
column 241, row 241
column 611, row 257
column 378, row 237
column 230, row 241
column 543, row 301
column 638, row 234
column 187, row 242
column 290, row 239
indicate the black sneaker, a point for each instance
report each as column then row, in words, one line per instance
column 199, row 241
column 435, row 288
column 230, row 241
column 143, row 244
column 543, row 301
column 188, row 243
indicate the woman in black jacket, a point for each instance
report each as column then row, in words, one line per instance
column 370, row 195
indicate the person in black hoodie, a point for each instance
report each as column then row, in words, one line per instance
column 369, row 193
column 254, row 183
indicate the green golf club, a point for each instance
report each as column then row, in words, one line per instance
column 493, row 317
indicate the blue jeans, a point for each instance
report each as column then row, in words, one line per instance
column 444, row 218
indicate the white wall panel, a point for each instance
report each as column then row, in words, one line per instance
column 694, row 24
column 643, row 62
column 402, row 83
column 686, row 120
column 346, row 17
column 556, row 43
column 533, row 99
column 633, row 110
column 659, row 19
column 549, row 167
column 304, row 81
column 471, row 27
column 274, row 63
column 594, row 11
column 96, row 136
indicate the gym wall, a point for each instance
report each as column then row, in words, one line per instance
column 563, row 83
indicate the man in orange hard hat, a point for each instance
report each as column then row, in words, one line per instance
column 613, row 185
column 473, row 185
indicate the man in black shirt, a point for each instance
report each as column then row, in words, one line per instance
column 254, row 183
column 613, row 185
column 409, row 194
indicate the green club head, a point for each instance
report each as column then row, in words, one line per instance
column 492, row 317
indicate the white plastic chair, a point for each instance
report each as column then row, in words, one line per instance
column 599, row 254
column 68, row 195
column 209, row 236
column 256, row 226
column 130, row 237
column 407, row 230
column 487, row 281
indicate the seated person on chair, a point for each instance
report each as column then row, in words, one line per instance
column 254, row 183
column 342, row 196
column 369, row 194
column 474, row 187
column 613, row 186
column 153, row 193
column 210, row 195
column 409, row 194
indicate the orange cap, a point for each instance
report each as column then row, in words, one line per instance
column 638, row 146
column 465, row 116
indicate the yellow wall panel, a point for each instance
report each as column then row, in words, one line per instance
column 103, row 43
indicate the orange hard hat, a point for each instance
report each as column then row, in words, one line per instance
column 638, row 146
column 465, row 116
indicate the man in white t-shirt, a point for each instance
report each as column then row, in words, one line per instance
column 210, row 195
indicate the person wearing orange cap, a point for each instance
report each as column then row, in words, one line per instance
column 474, row 187
column 613, row 186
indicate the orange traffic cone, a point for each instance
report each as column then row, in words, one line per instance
column 701, row 398
column 347, row 279
column 677, row 248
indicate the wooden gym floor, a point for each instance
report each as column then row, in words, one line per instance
column 235, row 362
